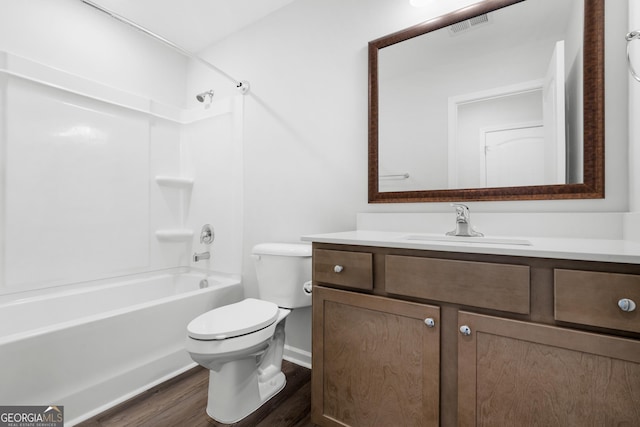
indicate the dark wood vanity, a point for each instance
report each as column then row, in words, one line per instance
column 427, row 337
column 405, row 337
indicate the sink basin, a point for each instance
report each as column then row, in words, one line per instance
column 462, row 239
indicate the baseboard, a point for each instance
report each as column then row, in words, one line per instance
column 297, row 356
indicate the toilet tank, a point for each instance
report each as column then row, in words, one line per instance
column 282, row 269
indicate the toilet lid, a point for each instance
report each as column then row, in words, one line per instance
column 233, row 320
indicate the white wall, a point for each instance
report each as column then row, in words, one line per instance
column 77, row 187
column 66, row 211
column 306, row 120
column 71, row 36
column 212, row 155
column 82, row 138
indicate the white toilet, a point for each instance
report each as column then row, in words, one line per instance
column 242, row 343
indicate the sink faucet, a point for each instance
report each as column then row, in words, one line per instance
column 200, row 256
column 463, row 223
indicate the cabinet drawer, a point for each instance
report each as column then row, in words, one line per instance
column 348, row 269
column 591, row 298
column 496, row 286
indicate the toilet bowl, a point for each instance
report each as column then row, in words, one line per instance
column 242, row 344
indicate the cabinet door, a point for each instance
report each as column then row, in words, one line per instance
column 376, row 361
column 513, row 373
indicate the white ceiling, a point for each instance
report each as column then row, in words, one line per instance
column 193, row 24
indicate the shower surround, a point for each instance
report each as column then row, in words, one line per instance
column 98, row 183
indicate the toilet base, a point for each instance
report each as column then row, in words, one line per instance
column 237, row 390
column 237, row 387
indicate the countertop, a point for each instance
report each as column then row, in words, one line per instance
column 620, row 251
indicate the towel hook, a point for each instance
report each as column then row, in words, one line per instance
column 633, row 35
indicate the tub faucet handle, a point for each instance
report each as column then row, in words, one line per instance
column 207, row 235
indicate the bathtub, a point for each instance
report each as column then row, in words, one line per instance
column 93, row 345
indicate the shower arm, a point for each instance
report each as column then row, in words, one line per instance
column 242, row 85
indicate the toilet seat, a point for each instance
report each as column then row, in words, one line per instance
column 233, row 320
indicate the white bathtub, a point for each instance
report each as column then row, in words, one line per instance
column 91, row 346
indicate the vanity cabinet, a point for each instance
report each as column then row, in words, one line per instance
column 520, row 373
column 376, row 361
column 426, row 338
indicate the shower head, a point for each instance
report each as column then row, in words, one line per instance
column 201, row 97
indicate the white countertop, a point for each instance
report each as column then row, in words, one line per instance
column 621, row 251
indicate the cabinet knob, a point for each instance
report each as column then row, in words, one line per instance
column 465, row 330
column 627, row 304
column 429, row 322
column 338, row 268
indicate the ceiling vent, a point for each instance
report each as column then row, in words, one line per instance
column 468, row 24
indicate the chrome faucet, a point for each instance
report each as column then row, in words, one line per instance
column 200, row 256
column 463, row 223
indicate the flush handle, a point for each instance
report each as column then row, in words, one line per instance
column 307, row 287
column 627, row 305
column 338, row 268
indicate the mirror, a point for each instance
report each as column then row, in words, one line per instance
column 502, row 100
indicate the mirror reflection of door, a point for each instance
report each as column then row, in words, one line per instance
column 512, row 156
column 495, row 111
column 498, row 113
column 530, row 154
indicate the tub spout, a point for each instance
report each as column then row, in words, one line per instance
column 200, row 256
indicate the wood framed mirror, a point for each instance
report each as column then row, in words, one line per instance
column 448, row 98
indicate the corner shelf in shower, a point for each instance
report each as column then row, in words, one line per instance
column 174, row 181
column 174, row 235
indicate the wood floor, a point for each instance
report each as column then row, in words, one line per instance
column 181, row 401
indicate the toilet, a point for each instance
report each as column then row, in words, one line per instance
column 242, row 343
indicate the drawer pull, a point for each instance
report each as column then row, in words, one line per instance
column 429, row 322
column 338, row 268
column 465, row 330
column 627, row 305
